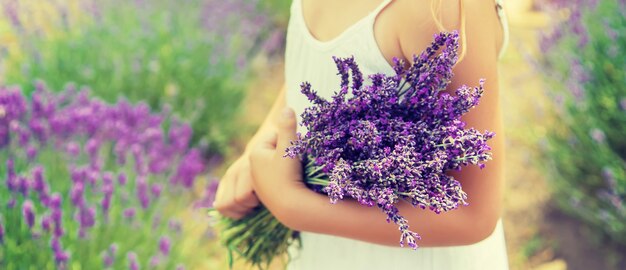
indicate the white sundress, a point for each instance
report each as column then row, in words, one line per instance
column 308, row 59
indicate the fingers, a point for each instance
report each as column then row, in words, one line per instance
column 230, row 201
column 286, row 131
column 244, row 191
column 267, row 141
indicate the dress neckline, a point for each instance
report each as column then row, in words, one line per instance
column 350, row 30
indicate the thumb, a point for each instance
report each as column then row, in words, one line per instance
column 286, row 130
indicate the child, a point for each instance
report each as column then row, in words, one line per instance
column 346, row 235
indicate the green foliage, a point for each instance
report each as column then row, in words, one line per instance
column 585, row 150
column 279, row 9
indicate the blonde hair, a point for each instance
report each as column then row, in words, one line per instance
column 435, row 8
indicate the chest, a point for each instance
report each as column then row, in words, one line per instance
column 328, row 19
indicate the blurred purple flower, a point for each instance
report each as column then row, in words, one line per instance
column 113, row 248
column 129, row 213
column 2, row 232
column 133, row 264
column 11, row 8
column 46, row 223
column 189, row 168
column 121, row 179
column 175, row 225
column 39, row 184
column 55, row 201
column 154, row 261
column 76, row 194
column 597, row 135
column 11, row 203
column 164, row 245
column 23, row 185
column 156, row 190
column 209, row 195
column 28, row 212
column 61, row 257
column 73, row 149
column 108, row 260
column 142, row 192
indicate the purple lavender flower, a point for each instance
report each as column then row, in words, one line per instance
column 209, row 196
column 2, row 232
column 154, row 261
column 11, row 11
column 57, row 219
column 133, row 264
column 31, row 152
column 175, row 225
column 164, row 245
column 142, row 192
column 73, row 149
column 61, row 257
column 380, row 140
column 109, row 255
column 121, row 179
column 403, row 127
column 129, row 213
column 87, row 217
column 46, row 223
column 12, row 183
column 105, row 204
column 108, row 260
column 76, row 194
column 28, row 212
column 55, row 201
column 189, row 168
column 11, row 203
column 156, row 190
column 23, row 185
column 113, row 248
column 55, row 244
column 39, row 184
column 92, row 147
column 597, row 135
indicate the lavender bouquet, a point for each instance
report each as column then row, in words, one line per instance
column 91, row 185
column 390, row 141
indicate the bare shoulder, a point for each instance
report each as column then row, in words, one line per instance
column 415, row 23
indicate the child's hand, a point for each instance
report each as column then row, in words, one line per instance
column 274, row 176
column 235, row 197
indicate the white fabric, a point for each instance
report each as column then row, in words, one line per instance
column 308, row 59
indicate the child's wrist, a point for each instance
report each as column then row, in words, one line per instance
column 288, row 206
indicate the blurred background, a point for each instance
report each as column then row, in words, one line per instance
column 214, row 67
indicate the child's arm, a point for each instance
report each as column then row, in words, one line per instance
column 235, row 196
column 278, row 184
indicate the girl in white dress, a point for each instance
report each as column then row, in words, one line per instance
column 346, row 235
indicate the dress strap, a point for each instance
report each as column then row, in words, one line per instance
column 505, row 26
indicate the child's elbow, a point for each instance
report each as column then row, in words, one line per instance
column 482, row 226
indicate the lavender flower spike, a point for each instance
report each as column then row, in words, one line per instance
column 2, row 232
column 133, row 264
column 28, row 212
column 164, row 245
